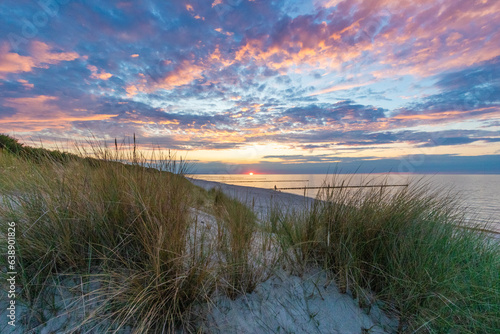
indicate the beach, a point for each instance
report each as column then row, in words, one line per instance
column 282, row 303
column 258, row 199
column 286, row 303
column 142, row 250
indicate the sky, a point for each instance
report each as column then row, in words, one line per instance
column 288, row 86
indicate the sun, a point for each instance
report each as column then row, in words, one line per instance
column 250, row 173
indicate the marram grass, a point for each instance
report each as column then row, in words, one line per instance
column 410, row 248
column 124, row 234
column 123, row 228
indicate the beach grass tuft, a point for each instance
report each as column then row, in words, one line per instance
column 236, row 232
column 123, row 226
column 410, row 248
column 115, row 226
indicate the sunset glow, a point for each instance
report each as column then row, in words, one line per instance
column 282, row 86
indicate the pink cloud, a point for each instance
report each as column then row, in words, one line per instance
column 26, row 83
column 340, row 87
column 40, row 55
column 440, row 38
column 443, row 117
column 13, row 62
column 42, row 112
column 44, row 54
column 183, row 73
column 420, row 38
column 99, row 74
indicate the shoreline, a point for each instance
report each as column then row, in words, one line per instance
column 258, row 199
column 308, row 301
column 286, row 266
column 286, row 300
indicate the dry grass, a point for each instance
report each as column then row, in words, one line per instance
column 236, row 233
column 124, row 227
column 142, row 262
column 407, row 247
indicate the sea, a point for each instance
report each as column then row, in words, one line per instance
column 479, row 194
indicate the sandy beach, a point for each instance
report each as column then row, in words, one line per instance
column 282, row 303
column 287, row 294
column 258, row 199
column 285, row 303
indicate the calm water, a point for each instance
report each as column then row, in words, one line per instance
column 480, row 193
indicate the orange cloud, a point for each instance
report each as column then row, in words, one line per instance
column 227, row 33
column 175, row 122
column 131, row 90
column 341, row 87
column 183, row 74
column 40, row 112
column 41, row 55
column 26, row 83
column 316, row 48
column 216, row 2
column 99, row 74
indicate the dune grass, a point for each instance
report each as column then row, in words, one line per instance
column 143, row 262
column 236, row 232
column 124, row 228
column 409, row 248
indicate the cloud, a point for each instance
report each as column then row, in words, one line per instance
column 471, row 93
column 13, row 62
column 328, row 76
column 182, row 74
column 41, row 55
column 339, row 87
column 400, row 36
column 99, row 74
column 344, row 112
column 42, row 112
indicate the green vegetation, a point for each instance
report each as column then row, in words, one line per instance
column 124, row 229
column 236, row 229
column 408, row 248
column 33, row 154
column 128, row 241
